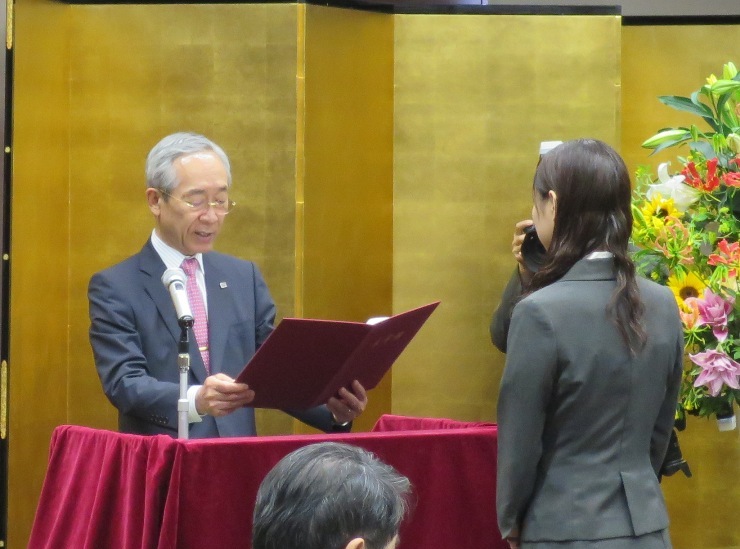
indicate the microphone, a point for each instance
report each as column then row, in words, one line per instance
column 174, row 281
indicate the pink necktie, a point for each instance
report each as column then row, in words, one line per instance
column 198, row 306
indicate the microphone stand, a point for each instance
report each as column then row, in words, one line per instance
column 183, row 362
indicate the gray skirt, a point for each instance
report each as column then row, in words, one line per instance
column 654, row 540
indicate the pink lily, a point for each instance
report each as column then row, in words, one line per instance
column 713, row 311
column 717, row 369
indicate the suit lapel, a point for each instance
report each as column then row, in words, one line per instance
column 220, row 312
column 152, row 267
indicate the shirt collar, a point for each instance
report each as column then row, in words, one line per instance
column 171, row 257
column 599, row 255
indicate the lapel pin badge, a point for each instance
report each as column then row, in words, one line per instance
column 223, row 284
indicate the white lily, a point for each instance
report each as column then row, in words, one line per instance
column 673, row 188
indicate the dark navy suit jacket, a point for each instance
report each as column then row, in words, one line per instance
column 134, row 336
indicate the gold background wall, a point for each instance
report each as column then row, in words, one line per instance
column 39, row 265
column 473, row 102
column 347, row 193
column 413, row 193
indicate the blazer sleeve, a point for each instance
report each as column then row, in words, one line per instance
column 120, row 358
column 320, row 418
column 524, row 396
column 502, row 316
column 264, row 308
column 666, row 416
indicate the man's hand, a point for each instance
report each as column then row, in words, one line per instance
column 349, row 405
column 220, row 395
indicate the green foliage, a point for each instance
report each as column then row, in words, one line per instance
column 686, row 229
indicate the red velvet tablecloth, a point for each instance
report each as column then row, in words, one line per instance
column 111, row 490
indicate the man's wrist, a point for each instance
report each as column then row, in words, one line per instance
column 336, row 423
column 193, row 415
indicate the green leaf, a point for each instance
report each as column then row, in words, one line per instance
column 724, row 86
column 704, row 148
column 638, row 214
column 726, row 110
column 708, row 118
column 667, row 144
column 726, row 129
column 673, row 136
column 687, row 105
column 729, row 71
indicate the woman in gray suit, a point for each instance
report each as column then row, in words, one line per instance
column 593, row 368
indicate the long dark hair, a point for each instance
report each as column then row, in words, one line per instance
column 593, row 212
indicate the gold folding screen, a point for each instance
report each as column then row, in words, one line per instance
column 475, row 95
column 346, row 186
column 39, row 264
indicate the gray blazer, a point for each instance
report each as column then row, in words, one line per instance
column 584, row 426
column 502, row 315
column 134, row 336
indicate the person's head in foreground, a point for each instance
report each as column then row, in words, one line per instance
column 582, row 204
column 330, row 496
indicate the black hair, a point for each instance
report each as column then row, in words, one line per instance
column 593, row 212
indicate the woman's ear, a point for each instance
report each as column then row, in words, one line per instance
column 553, row 199
column 357, row 543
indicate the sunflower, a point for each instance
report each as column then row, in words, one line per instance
column 657, row 209
column 684, row 286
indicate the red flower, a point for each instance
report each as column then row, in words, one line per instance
column 729, row 254
column 732, row 179
column 692, row 176
column 694, row 179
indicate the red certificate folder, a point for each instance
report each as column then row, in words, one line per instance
column 304, row 362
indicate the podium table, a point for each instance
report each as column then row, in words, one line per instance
column 113, row 490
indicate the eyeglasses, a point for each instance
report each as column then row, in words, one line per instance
column 200, row 205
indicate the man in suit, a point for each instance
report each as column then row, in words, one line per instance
column 134, row 328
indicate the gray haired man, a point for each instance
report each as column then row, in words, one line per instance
column 330, row 496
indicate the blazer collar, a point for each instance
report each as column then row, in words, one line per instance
column 591, row 269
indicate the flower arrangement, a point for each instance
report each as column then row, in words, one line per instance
column 686, row 233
